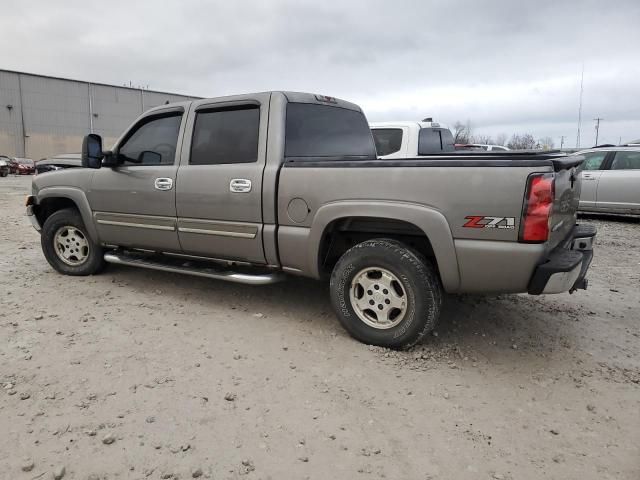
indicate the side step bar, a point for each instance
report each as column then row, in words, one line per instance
column 197, row 268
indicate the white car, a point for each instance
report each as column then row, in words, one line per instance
column 490, row 148
column 411, row 139
column 611, row 180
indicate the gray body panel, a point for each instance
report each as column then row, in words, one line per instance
column 619, row 191
column 427, row 197
column 129, row 210
column 282, row 220
column 229, row 224
column 67, row 160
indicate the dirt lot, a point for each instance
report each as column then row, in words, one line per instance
column 136, row 374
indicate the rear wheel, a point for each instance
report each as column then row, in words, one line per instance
column 385, row 293
column 67, row 247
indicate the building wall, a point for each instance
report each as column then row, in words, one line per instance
column 43, row 116
column 11, row 136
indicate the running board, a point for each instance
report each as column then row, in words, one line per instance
column 189, row 267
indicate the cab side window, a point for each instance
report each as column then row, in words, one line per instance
column 626, row 161
column 153, row 141
column 388, row 140
column 228, row 135
column 593, row 161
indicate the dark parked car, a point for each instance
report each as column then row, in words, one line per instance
column 26, row 166
column 4, row 165
column 58, row 162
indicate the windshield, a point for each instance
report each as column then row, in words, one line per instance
column 24, row 161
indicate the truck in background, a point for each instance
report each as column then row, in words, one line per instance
column 411, row 139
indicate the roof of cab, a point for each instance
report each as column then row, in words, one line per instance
column 293, row 97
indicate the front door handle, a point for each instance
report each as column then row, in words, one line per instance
column 240, row 185
column 163, row 183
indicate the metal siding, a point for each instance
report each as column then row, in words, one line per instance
column 59, row 112
column 56, row 115
column 11, row 135
column 114, row 109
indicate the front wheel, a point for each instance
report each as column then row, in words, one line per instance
column 386, row 294
column 67, row 247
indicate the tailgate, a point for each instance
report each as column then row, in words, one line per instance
column 567, row 197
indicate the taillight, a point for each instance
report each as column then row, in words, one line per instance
column 534, row 227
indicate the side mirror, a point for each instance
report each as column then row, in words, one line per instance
column 92, row 151
column 148, row 157
column 110, row 159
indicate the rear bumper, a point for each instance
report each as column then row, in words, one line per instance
column 565, row 268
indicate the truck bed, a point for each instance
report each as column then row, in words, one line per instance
column 443, row 190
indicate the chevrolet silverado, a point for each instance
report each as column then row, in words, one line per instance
column 251, row 188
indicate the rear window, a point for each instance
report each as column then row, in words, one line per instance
column 324, row 131
column 626, row 161
column 435, row 140
column 388, row 140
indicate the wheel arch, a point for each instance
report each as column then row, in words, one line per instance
column 399, row 220
column 53, row 199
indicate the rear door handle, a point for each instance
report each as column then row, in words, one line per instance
column 163, row 183
column 240, row 185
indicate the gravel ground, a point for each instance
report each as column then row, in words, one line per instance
column 139, row 374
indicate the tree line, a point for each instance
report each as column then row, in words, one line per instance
column 463, row 134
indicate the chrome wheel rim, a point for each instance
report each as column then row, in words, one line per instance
column 71, row 246
column 378, row 297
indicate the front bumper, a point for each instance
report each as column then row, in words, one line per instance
column 33, row 219
column 565, row 268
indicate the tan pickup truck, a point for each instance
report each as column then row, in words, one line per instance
column 252, row 188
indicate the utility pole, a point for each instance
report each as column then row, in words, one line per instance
column 597, row 127
column 580, row 107
column 561, row 141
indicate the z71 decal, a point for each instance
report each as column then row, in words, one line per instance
column 479, row 221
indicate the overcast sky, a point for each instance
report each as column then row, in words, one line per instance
column 506, row 66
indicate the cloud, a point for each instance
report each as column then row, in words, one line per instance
column 501, row 64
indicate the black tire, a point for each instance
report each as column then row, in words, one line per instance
column 93, row 260
column 4, row 173
column 418, row 279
